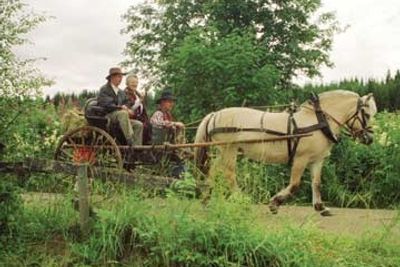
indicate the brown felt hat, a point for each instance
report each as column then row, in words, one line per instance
column 114, row 71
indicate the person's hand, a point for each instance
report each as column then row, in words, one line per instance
column 169, row 125
column 137, row 104
column 179, row 124
column 124, row 107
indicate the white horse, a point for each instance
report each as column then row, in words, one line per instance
column 323, row 116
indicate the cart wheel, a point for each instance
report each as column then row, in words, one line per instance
column 90, row 145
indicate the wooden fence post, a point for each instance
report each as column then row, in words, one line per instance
column 83, row 199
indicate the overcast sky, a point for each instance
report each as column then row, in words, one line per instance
column 83, row 40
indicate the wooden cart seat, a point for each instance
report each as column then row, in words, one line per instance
column 95, row 115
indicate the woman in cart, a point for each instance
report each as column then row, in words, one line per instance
column 136, row 104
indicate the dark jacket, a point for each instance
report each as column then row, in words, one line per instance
column 109, row 100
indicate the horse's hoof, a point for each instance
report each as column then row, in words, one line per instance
column 205, row 201
column 273, row 209
column 326, row 212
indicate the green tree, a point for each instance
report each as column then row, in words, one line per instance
column 386, row 91
column 219, row 73
column 19, row 79
column 230, row 49
column 284, row 28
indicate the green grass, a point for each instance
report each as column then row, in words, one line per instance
column 134, row 230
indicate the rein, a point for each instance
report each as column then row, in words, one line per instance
column 363, row 120
column 349, row 123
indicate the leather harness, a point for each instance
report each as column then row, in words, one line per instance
column 292, row 128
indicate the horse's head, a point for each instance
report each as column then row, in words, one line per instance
column 358, row 123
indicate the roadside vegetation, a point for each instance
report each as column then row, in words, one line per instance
column 133, row 229
column 218, row 62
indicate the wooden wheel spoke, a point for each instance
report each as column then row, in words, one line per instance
column 104, row 156
column 99, row 148
column 71, row 142
column 82, row 139
column 107, row 143
column 90, row 138
column 68, row 155
column 101, row 137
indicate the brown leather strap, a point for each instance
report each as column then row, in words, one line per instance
column 208, row 137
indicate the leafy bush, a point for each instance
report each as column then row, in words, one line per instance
column 10, row 204
column 19, row 79
column 35, row 134
column 39, row 232
column 367, row 176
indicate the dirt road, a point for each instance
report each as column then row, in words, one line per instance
column 344, row 221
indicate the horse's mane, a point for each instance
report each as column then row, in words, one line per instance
column 339, row 93
column 334, row 94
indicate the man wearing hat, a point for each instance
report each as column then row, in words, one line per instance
column 114, row 101
column 164, row 127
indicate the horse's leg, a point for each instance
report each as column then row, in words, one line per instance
column 295, row 178
column 229, row 164
column 315, row 169
column 226, row 164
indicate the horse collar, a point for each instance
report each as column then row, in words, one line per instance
column 326, row 129
column 322, row 124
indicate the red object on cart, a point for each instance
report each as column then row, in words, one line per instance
column 84, row 155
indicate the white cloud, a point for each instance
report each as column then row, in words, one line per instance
column 80, row 43
column 84, row 40
column 370, row 46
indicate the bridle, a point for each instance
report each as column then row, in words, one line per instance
column 360, row 116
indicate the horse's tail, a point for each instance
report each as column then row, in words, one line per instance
column 200, row 153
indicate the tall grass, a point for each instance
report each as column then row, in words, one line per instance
column 179, row 232
column 39, row 235
column 132, row 229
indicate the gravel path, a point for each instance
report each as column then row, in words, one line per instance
column 344, row 221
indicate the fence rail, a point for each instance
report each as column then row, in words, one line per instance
column 82, row 173
column 30, row 165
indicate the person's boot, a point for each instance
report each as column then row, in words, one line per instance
column 186, row 153
column 178, row 167
column 129, row 142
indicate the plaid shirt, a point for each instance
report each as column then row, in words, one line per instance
column 161, row 119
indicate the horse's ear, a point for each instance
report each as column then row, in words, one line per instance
column 370, row 103
column 314, row 97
